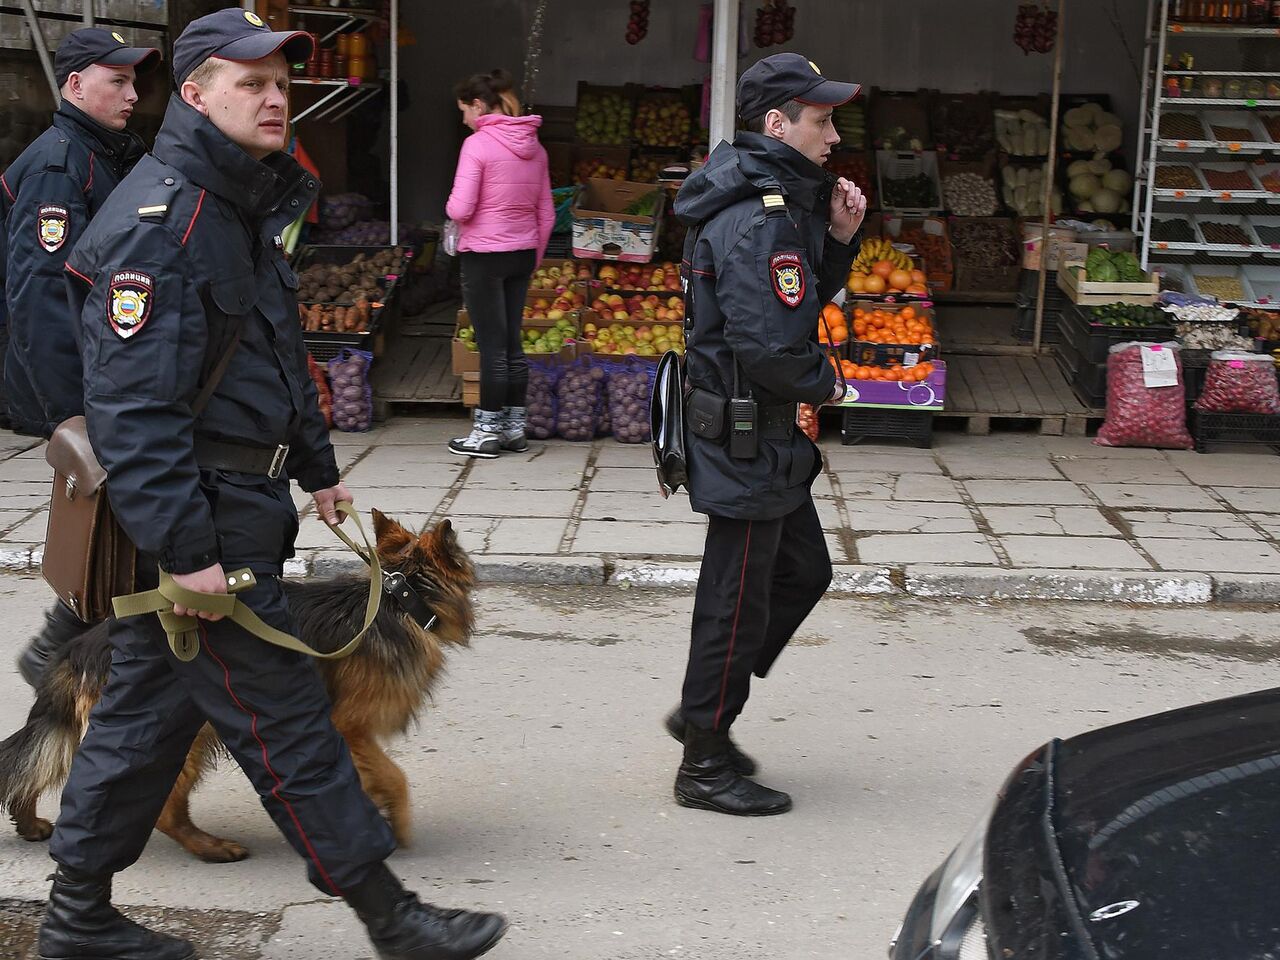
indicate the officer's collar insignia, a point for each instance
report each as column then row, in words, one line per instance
column 786, row 272
column 51, row 221
column 129, row 301
column 279, row 242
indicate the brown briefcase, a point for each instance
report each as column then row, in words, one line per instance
column 87, row 557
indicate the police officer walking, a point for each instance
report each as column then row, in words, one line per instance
column 183, row 268
column 47, row 198
column 771, row 239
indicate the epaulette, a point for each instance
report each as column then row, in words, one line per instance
column 57, row 158
column 159, row 200
column 775, row 204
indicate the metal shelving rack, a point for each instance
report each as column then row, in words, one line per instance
column 1248, row 207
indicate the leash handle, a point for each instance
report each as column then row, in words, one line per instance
column 183, row 632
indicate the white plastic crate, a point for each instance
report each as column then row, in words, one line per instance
column 893, row 165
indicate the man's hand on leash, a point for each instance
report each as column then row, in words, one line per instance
column 325, row 500
column 848, row 209
column 209, row 580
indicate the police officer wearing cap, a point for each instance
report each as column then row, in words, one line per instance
column 47, row 198
column 771, row 238
column 184, row 258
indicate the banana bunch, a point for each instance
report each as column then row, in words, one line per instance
column 875, row 249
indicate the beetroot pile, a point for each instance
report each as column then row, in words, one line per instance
column 1138, row 415
column 1240, row 383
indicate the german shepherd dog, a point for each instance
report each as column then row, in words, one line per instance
column 376, row 692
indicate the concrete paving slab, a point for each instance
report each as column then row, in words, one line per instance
column 946, row 442
column 924, row 488
column 639, row 506
column 32, row 530
column 636, row 456
column 1073, row 553
column 863, row 486
column 1261, row 468
column 964, row 464
column 436, row 431
column 829, row 514
column 1085, row 449
column 932, row 548
column 646, row 539
column 506, row 475
column 979, row 583
column 420, row 460
column 1250, row 499
column 622, row 479
column 1188, row 525
column 910, row 517
column 385, row 472
column 1121, row 471
column 822, row 486
column 1049, row 521
column 23, row 495
column 514, row 503
column 859, row 460
column 25, row 471
column 1214, row 556
column 11, row 518
column 397, row 500
column 835, row 548
column 1153, row 496
column 1024, row 492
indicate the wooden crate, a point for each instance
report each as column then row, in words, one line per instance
column 1091, row 293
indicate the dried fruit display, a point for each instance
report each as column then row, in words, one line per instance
column 1227, row 179
column 1270, row 181
column 1177, row 177
column 1232, row 134
column 1173, row 231
column 1181, row 126
column 1269, row 235
column 1227, row 289
column 1272, row 122
column 1231, row 233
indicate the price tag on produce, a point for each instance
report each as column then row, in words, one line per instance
column 910, row 359
column 1159, row 366
column 1251, row 103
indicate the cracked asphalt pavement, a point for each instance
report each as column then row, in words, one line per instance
column 541, row 776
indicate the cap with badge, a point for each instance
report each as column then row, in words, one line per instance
column 234, row 34
column 788, row 76
column 83, row 48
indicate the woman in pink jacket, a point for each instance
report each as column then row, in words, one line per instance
column 501, row 201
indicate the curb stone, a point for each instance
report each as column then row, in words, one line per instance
column 16, row 559
column 645, row 573
column 1246, row 588
column 1121, row 586
column 545, row 571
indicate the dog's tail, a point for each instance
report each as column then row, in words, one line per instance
column 38, row 757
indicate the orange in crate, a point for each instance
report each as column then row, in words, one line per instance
column 832, row 326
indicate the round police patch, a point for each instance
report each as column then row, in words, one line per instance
column 129, row 301
column 117, row 38
column 254, row 18
column 786, row 272
column 51, row 225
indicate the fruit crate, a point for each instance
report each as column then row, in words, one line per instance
column 889, row 354
column 325, row 345
column 970, row 112
column 914, row 426
column 896, row 118
column 1096, row 294
column 591, row 161
column 971, row 277
column 896, row 166
column 589, row 123
column 674, row 131
column 1251, row 428
column 1093, row 341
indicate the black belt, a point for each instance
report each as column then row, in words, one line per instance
column 778, row 422
column 263, row 461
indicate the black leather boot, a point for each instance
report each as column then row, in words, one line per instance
column 740, row 762
column 61, row 626
column 708, row 781
column 404, row 928
column 81, row 924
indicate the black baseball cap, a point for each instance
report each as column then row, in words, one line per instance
column 234, row 34
column 83, row 48
column 788, row 76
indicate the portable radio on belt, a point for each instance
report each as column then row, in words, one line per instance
column 744, row 423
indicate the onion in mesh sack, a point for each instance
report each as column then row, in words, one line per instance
column 352, row 395
column 580, row 393
column 629, row 388
column 540, row 404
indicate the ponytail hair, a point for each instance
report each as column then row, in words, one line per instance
column 494, row 89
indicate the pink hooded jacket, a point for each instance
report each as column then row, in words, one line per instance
column 501, row 194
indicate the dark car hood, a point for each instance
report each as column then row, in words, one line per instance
column 1167, row 833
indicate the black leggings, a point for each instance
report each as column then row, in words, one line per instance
column 493, row 288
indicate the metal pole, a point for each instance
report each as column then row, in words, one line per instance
column 1051, row 166
column 1135, row 221
column 1153, row 135
column 42, row 50
column 395, row 122
column 724, row 70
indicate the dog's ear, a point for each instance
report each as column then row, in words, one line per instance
column 391, row 537
column 440, row 543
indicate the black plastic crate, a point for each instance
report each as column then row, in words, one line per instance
column 877, row 424
column 1067, row 355
column 1095, row 340
column 1024, row 323
column 1029, row 286
column 1254, row 428
column 1090, row 384
column 324, row 346
column 889, row 354
column 560, row 246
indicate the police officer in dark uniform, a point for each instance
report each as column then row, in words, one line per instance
column 185, row 257
column 771, row 239
column 47, row 198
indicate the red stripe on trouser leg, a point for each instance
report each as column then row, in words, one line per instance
column 266, row 760
column 733, row 636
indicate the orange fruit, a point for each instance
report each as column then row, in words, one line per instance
column 917, row 276
column 875, row 284
column 857, row 283
column 918, row 290
column 883, row 268
column 900, row 279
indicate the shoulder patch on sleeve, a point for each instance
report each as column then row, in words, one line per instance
column 52, row 221
column 129, row 301
column 786, row 273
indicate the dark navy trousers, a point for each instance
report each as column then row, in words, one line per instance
column 759, row 580
column 270, row 708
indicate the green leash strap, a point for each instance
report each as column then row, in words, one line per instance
column 184, row 633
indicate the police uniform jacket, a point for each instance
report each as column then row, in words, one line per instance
column 185, row 250
column 47, row 198
column 759, row 265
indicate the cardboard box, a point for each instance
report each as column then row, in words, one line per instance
column 464, row 360
column 927, row 396
column 601, row 231
column 1064, row 246
column 471, row 389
